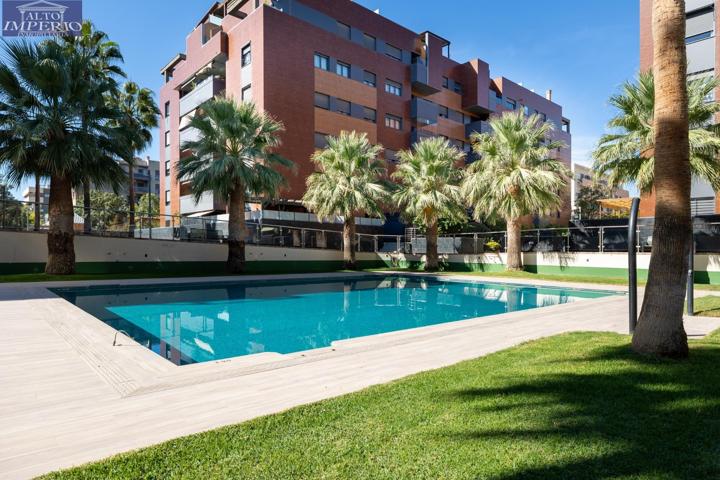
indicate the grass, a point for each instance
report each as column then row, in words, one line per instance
column 707, row 306
column 576, row 406
column 547, row 276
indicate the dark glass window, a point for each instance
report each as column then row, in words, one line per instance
column 369, row 41
column 246, row 56
column 369, row 78
column 343, row 106
column 322, row 100
column 369, row 114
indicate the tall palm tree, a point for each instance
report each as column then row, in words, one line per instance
column 627, row 154
column 54, row 123
column 234, row 158
column 349, row 182
column 137, row 115
column 660, row 328
column 429, row 188
column 104, row 56
column 516, row 175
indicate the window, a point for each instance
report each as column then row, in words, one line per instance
column 245, row 56
column 246, row 94
column 343, row 106
column 393, row 88
column 566, row 126
column 322, row 62
column 257, row 3
column 443, row 111
column 343, row 30
column 391, row 121
column 510, row 104
column 526, row 110
column 167, row 109
column 458, row 88
column 369, row 114
column 322, row 101
column 167, row 167
column 167, row 197
column 698, row 37
column 342, row 69
column 167, row 138
column 446, row 82
column 320, row 140
column 369, row 41
column 369, row 78
column 393, row 52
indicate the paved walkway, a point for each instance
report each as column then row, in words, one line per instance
column 69, row 396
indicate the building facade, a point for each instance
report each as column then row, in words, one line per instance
column 324, row 66
column 703, row 55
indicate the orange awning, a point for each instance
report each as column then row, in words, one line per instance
column 616, row 203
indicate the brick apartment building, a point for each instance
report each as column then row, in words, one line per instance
column 703, row 56
column 323, row 66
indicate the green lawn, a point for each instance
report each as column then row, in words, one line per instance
column 576, row 406
column 708, row 306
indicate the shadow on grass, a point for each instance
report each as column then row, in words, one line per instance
column 616, row 416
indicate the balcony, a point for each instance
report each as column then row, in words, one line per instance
column 420, row 78
column 188, row 134
column 202, row 92
column 478, row 126
column 208, row 202
column 424, row 112
column 416, row 135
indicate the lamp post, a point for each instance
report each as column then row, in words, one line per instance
column 632, row 263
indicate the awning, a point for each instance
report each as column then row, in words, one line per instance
column 616, row 203
column 200, row 214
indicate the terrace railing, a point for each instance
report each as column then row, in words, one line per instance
column 19, row 216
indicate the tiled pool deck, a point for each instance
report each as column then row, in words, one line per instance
column 69, row 396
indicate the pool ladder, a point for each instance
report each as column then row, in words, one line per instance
column 116, row 334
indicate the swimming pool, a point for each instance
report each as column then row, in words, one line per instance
column 200, row 322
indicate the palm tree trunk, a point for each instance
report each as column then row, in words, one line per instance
column 514, row 245
column 660, row 328
column 131, row 199
column 349, row 239
column 61, row 251
column 236, row 231
column 431, row 250
column 36, row 225
column 87, row 223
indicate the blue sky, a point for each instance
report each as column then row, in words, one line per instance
column 582, row 50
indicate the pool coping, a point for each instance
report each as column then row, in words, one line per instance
column 132, row 369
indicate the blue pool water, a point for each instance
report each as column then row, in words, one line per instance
column 201, row 322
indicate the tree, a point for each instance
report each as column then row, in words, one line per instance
column 429, row 188
column 54, row 123
column 628, row 153
column 516, row 175
column 148, row 205
column 109, row 211
column 660, row 328
column 348, row 183
column 104, row 56
column 11, row 210
column 233, row 157
column 588, row 197
column 138, row 114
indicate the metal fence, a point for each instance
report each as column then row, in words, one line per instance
column 20, row 216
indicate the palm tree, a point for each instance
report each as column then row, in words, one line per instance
column 138, row 114
column 233, row 157
column 103, row 55
column 429, row 188
column 516, row 175
column 627, row 154
column 54, row 123
column 660, row 328
column 348, row 183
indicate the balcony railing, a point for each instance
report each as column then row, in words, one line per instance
column 420, row 78
column 202, row 92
